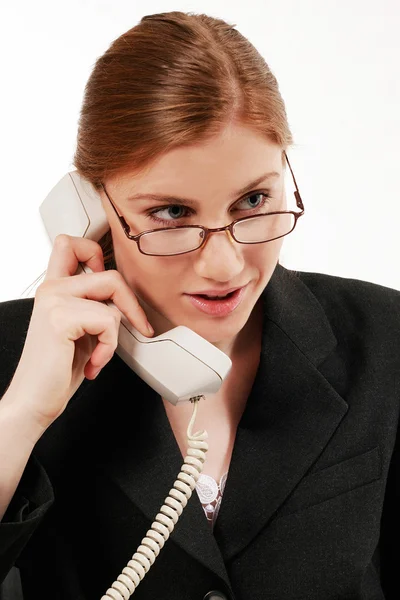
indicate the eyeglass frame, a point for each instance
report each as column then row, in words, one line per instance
column 207, row 230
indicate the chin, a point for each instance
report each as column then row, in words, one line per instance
column 216, row 330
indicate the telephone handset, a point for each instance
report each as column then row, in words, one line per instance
column 179, row 364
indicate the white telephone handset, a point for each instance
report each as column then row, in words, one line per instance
column 179, row 364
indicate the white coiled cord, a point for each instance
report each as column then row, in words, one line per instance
column 168, row 516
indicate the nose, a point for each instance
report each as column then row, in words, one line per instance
column 220, row 258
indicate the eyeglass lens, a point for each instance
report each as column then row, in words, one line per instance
column 261, row 228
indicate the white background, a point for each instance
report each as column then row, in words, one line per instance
column 337, row 64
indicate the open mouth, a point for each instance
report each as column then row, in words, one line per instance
column 216, row 297
column 217, row 305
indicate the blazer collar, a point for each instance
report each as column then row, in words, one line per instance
column 291, row 413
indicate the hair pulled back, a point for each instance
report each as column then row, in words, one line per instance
column 173, row 80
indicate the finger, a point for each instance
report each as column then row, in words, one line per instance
column 97, row 321
column 68, row 251
column 107, row 285
column 104, row 351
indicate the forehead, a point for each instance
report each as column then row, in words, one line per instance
column 223, row 164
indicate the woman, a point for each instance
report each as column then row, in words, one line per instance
column 303, row 429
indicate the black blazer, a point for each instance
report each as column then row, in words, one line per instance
column 312, row 500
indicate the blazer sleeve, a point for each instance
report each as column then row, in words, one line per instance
column 31, row 501
column 34, row 494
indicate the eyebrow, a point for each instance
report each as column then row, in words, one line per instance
column 170, row 198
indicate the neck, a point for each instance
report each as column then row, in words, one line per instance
column 248, row 338
column 220, row 413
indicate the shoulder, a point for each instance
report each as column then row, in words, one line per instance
column 356, row 305
column 326, row 286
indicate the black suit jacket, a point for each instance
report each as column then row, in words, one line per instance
column 312, row 500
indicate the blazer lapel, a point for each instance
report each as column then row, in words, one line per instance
column 291, row 414
column 145, row 462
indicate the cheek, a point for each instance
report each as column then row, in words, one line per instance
column 149, row 274
column 263, row 256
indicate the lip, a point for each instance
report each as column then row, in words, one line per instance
column 218, row 308
column 217, row 292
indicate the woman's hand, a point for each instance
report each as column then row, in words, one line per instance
column 71, row 334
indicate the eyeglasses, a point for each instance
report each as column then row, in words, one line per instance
column 181, row 239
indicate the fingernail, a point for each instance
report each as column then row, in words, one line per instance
column 96, row 372
column 150, row 329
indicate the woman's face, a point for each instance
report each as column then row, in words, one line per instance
column 211, row 175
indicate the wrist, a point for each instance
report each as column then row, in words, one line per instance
column 15, row 416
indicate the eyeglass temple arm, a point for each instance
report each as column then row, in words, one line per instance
column 120, row 217
column 299, row 201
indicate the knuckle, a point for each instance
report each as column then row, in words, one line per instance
column 48, row 297
column 112, row 320
column 112, row 344
column 45, row 289
column 94, row 246
column 118, row 281
column 62, row 240
column 115, row 314
column 109, row 357
column 114, row 276
column 56, row 318
column 114, row 273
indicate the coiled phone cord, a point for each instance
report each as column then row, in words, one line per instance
column 166, row 519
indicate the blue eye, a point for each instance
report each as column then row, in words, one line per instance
column 171, row 211
column 173, row 208
column 257, row 195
